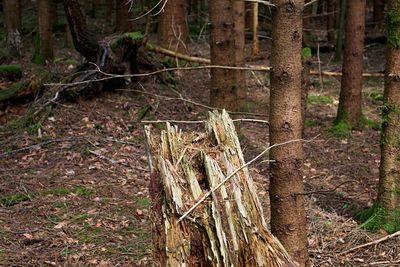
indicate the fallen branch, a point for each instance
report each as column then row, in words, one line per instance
column 371, row 243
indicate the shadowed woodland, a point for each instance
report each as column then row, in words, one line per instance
column 199, row 133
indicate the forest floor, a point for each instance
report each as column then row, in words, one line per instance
column 74, row 187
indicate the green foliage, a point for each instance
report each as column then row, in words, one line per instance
column 340, row 130
column 376, row 217
column 14, row 199
column 11, row 70
column 375, row 95
column 58, row 191
column 25, row 123
column 393, row 28
column 376, row 125
column 306, row 53
column 12, row 90
column 136, row 36
column 143, row 202
column 143, row 112
column 319, row 99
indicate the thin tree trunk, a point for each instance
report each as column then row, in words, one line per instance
column 379, row 12
column 389, row 178
column 288, row 218
column 223, row 92
column 349, row 110
column 255, row 49
column 239, row 31
column 331, row 20
column 12, row 23
column 340, row 31
column 122, row 16
column 172, row 25
column 85, row 41
column 46, row 19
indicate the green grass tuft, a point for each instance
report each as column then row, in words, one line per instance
column 340, row 130
column 14, row 199
column 319, row 99
column 375, row 218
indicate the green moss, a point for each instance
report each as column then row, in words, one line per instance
column 310, row 122
column 58, row 191
column 340, row 130
column 319, row 99
column 12, row 90
column 374, row 124
column 393, row 28
column 11, row 70
column 125, row 36
column 143, row 202
column 376, row 217
column 306, row 53
column 83, row 191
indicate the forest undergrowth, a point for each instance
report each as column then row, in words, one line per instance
column 74, row 186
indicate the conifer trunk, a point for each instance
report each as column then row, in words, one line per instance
column 288, row 219
column 349, row 110
column 122, row 16
column 46, row 19
column 12, row 24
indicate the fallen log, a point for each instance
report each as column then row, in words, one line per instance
column 201, row 60
column 228, row 229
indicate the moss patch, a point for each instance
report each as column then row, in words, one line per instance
column 136, row 36
column 319, row 99
column 14, row 199
column 12, row 90
column 340, row 130
column 13, row 71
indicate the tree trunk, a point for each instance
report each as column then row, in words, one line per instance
column 239, row 31
column 12, row 23
column 379, row 12
column 349, row 110
column 225, row 50
column 122, row 16
column 305, row 87
column 45, row 21
column 85, row 41
column 228, row 228
column 331, row 20
column 172, row 25
column 255, row 49
column 339, row 36
column 389, row 178
column 288, row 219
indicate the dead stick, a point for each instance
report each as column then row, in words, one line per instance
column 371, row 243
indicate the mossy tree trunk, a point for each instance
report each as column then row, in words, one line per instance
column 227, row 49
column 172, row 25
column 228, row 228
column 389, row 179
column 349, row 110
column 288, row 219
column 12, row 23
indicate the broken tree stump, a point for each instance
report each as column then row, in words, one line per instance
column 228, row 227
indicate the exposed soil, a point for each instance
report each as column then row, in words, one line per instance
column 74, row 193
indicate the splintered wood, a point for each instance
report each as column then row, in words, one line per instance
column 227, row 228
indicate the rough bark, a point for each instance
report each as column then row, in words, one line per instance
column 12, row 23
column 239, row 31
column 122, row 16
column 85, row 41
column 288, row 219
column 45, row 21
column 225, row 90
column 172, row 25
column 389, row 179
column 228, row 229
column 349, row 110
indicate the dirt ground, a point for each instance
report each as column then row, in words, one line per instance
column 74, row 188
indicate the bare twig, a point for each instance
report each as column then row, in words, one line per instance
column 324, row 191
column 371, row 243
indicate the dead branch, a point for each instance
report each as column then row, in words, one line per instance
column 371, row 243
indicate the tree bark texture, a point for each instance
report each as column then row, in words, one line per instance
column 349, row 110
column 228, row 87
column 12, row 24
column 288, row 219
column 122, row 16
column 228, row 228
column 85, row 41
column 389, row 179
column 172, row 25
column 45, row 20
column 340, row 30
column 331, row 20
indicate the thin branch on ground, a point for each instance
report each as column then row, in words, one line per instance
column 324, row 191
column 193, row 102
column 371, row 243
column 197, row 122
